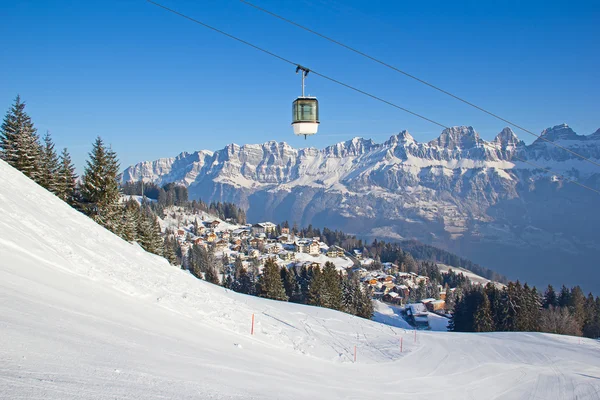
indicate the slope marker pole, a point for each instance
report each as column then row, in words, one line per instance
column 355, row 353
column 401, row 344
column 252, row 329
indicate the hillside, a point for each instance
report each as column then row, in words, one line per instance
column 458, row 192
column 85, row 314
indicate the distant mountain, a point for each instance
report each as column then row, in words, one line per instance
column 459, row 192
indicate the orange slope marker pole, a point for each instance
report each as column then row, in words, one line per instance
column 354, row 353
column 252, row 329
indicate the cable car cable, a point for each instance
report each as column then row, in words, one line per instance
column 346, row 85
column 417, row 79
column 295, row 64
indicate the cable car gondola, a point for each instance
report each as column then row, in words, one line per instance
column 305, row 111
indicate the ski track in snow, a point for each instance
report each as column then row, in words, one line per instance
column 84, row 314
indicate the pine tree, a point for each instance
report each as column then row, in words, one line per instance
column 365, row 304
column 316, row 288
column 66, row 179
column 564, row 297
column 211, row 275
column 550, row 298
column 100, row 189
column 131, row 217
column 170, row 246
column 332, row 287
column 482, row 320
column 49, row 166
column 270, row 283
column 19, row 143
column 289, row 283
column 577, row 305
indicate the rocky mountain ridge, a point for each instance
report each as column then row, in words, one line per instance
column 459, row 192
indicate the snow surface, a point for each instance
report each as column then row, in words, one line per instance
column 86, row 315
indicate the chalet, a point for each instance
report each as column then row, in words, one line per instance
column 211, row 237
column 361, row 272
column 241, row 233
column 283, row 239
column 253, row 253
column 273, row 248
column 402, row 290
column 285, row 231
column 335, row 251
column 436, row 305
column 287, row 255
column 418, row 313
column 214, row 224
column 221, row 245
column 301, row 247
column 357, row 254
column 199, row 241
column 393, row 297
column 263, row 227
column 256, row 243
column 180, row 233
column 225, row 235
column 314, row 248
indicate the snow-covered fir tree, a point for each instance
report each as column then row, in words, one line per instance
column 19, row 142
column 100, row 188
column 49, row 165
column 66, row 179
column 270, row 283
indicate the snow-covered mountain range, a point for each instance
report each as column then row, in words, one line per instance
column 484, row 200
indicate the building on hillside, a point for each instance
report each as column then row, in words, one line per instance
column 253, row 253
column 314, row 248
column 221, row 245
column 301, row 246
column 436, row 305
column 285, row 231
column 214, row 224
column 180, row 233
column 211, row 237
column 264, row 227
column 393, row 298
column 225, row 235
column 335, row 251
column 273, row 248
column 357, row 254
column 256, row 243
column 283, row 239
column 287, row 255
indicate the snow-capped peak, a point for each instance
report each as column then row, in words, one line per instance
column 462, row 137
column 559, row 132
column 507, row 138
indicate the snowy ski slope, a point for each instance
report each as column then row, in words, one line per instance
column 86, row 315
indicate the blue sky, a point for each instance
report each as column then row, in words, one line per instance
column 154, row 85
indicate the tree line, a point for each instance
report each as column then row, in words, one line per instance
column 96, row 194
column 519, row 307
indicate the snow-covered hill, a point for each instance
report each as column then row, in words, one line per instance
column 86, row 315
column 458, row 192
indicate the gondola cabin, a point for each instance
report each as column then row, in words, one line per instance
column 305, row 116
